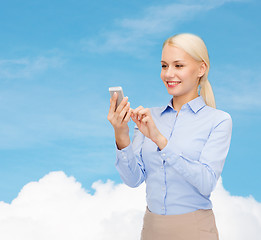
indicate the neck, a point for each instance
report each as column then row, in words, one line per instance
column 179, row 101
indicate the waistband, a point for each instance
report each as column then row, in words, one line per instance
column 195, row 215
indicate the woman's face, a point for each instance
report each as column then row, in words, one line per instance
column 180, row 72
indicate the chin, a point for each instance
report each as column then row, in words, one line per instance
column 174, row 93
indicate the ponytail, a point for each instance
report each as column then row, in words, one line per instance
column 206, row 92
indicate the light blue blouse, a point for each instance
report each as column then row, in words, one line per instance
column 179, row 178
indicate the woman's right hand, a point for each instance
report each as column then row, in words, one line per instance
column 119, row 119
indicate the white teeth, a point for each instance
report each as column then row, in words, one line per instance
column 173, row 83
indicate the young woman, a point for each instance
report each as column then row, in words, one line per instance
column 179, row 150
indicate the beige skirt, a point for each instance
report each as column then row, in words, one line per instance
column 197, row 225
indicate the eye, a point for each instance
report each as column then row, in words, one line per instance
column 179, row 65
column 164, row 66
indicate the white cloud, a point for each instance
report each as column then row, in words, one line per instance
column 57, row 207
column 238, row 89
column 132, row 35
column 27, row 67
column 159, row 19
column 238, row 218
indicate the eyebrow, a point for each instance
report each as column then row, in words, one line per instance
column 174, row 61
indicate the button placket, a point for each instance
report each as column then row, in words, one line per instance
column 124, row 155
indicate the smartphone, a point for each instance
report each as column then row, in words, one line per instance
column 119, row 91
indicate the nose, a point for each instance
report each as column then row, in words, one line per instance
column 170, row 72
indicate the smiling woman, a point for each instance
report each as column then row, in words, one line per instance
column 179, row 150
column 181, row 62
column 180, row 74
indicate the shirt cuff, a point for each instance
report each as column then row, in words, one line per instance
column 168, row 154
column 124, row 154
column 171, row 158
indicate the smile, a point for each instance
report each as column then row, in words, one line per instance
column 173, row 83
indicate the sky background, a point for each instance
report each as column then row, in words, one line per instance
column 58, row 59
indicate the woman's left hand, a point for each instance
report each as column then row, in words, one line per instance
column 143, row 119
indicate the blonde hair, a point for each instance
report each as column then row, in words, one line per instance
column 196, row 48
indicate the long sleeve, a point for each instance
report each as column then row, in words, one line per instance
column 204, row 172
column 129, row 161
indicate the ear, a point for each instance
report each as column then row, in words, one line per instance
column 202, row 69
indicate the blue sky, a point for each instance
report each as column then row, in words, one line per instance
column 58, row 59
